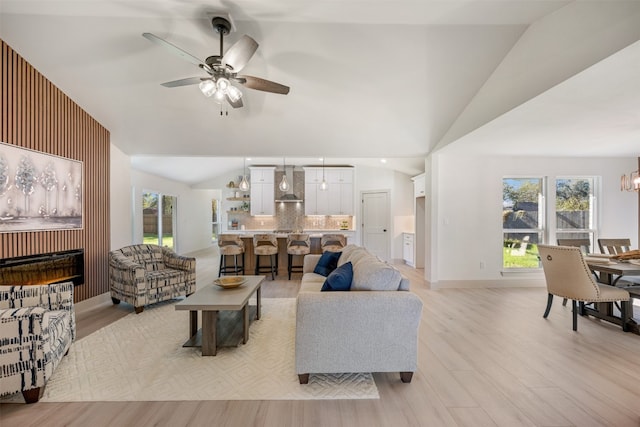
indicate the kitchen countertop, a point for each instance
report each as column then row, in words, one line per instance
column 313, row 233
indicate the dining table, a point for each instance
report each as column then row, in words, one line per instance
column 609, row 272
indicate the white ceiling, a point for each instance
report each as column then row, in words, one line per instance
column 369, row 79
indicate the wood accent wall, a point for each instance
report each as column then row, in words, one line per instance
column 39, row 116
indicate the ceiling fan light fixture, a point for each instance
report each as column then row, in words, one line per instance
column 234, row 93
column 208, row 87
column 218, row 96
column 223, row 84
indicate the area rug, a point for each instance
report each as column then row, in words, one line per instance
column 141, row 358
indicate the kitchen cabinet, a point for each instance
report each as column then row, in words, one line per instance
column 340, row 189
column 262, row 190
column 337, row 199
column 419, row 185
column 316, row 201
column 408, row 241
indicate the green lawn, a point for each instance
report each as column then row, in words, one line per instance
column 529, row 260
column 152, row 239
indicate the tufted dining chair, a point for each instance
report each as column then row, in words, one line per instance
column 568, row 276
column 298, row 244
column 266, row 244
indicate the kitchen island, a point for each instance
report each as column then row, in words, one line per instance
column 250, row 257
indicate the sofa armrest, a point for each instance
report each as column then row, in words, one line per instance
column 358, row 331
column 309, row 263
column 179, row 262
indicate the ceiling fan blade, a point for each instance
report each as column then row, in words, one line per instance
column 173, row 48
column 240, row 53
column 234, row 104
column 183, row 82
column 261, row 84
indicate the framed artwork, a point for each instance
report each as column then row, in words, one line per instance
column 39, row 191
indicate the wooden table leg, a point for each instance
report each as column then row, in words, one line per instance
column 209, row 320
column 258, row 304
column 193, row 323
column 245, row 323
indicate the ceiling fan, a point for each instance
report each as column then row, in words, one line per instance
column 222, row 69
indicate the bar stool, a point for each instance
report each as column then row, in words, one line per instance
column 230, row 244
column 266, row 244
column 332, row 242
column 297, row 244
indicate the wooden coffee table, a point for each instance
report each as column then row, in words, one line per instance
column 211, row 300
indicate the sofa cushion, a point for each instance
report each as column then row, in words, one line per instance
column 339, row 279
column 327, row 263
column 373, row 275
column 354, row 256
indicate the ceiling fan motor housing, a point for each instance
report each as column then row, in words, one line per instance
column 221, row 25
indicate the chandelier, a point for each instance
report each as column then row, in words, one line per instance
column 630, row 182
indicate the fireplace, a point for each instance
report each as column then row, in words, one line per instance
column 43, row 269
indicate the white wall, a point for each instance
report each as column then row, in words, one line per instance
column 120, row 198
column 468, row 210
column 193, row 210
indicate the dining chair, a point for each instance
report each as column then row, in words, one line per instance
column 583, row 244
column 614, row 246
column 568, row 276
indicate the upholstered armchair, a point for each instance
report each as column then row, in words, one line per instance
column 146, row 274
column 568, row 276
column 37, row 327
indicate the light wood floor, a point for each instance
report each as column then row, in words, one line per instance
column 486, row 358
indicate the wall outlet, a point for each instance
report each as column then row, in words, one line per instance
column 481, row 265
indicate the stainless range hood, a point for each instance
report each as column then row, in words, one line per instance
column 288, row 197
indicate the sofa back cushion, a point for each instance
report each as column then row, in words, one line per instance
column 371, row 274
column 149, row 256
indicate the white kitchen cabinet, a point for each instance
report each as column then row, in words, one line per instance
column 339, row 191
column 316, row 201
column 408, row 244
column 419, row 185
column 262, row 190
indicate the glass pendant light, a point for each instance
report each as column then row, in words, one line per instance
column 244, row 184
column 284, row 184
column 323, row 184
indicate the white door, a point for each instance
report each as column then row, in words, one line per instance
column 375, row 223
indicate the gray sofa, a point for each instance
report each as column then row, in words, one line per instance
column 372, row 328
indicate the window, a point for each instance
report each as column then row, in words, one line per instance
column 159, row 219
column 522, row 222
column 575, row 209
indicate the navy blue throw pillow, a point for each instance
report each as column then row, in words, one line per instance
column 339, row 279
column 327, row 263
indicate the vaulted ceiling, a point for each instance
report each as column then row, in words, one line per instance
column 369, row 79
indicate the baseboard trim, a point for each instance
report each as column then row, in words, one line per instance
column 480, row 284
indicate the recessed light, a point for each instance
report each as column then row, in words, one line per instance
column 383, row 160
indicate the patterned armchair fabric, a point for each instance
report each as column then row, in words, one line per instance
column 37, row 327
column 146, row 274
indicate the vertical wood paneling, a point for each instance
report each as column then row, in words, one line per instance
column 38, row 116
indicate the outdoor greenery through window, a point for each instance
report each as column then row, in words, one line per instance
column 522, row 222
column 575, row 209
column 159, row 219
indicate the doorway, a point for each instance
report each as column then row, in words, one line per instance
column 375, row 223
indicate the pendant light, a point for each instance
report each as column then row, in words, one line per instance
column 284, row 184
column 244, row 184
column 323, row 184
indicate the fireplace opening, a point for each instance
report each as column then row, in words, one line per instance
column 43, row 269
